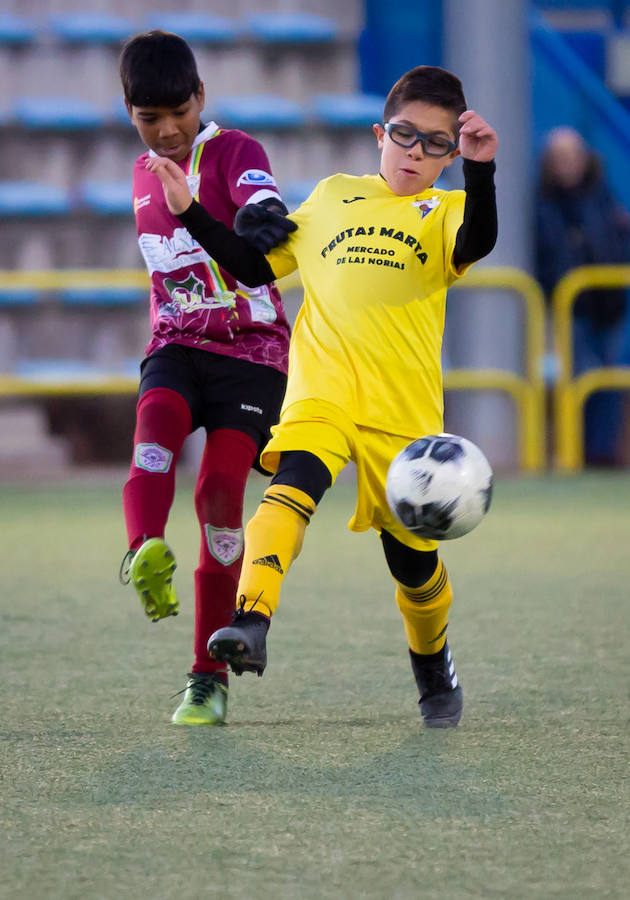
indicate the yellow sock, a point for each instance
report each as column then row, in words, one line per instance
column 425, row 611
column 273, row 539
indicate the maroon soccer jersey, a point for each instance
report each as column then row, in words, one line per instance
column 193, row 300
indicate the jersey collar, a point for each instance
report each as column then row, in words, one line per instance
column 208, row 132
column 382, row 182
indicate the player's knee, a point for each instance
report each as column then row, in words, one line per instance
column 408, row 566
column 159, row 402
column 218, row 495
column 304, row 471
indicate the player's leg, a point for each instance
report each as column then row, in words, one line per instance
column 273, row 540
column 227, row 459
column 423, row 589
column 308, row 449
column 163, row 421
column 240, row 401
column 424, row 595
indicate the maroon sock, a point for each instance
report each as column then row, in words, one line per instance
column 225, row 465
column 163, row 422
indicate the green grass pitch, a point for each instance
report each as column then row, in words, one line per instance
column 324, row 784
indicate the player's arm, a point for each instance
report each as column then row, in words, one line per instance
column 230, row 250
column 264, row 225
column 261, row 213
column 477, row 234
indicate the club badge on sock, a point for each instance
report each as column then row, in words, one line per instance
column 153, row 457
column 225, row 544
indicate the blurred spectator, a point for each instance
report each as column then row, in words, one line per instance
column 579, row 222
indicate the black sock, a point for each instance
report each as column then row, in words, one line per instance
column 421, row 658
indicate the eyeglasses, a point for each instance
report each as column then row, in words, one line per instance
column 432, row 144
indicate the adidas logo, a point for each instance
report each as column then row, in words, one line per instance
column 272, row 561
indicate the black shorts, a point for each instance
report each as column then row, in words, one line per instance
column 221, row 391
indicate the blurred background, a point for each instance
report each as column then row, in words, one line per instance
column 537, row 341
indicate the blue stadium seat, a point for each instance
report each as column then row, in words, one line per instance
column 348, row 110
column 57, row 113
column 15, row 30
column 31, row 198
column 90, row 28
column 257, row 111
column 291, row 28
column 47, row 370
column 102, row 296
column 119, row 114
column 17, row 296
column 576, row 4
column 107, row 198
column 195, row 27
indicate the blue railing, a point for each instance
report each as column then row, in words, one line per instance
column 566, row 92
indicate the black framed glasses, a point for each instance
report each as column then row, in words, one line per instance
column 406, row 136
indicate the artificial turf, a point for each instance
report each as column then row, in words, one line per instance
column 324, row 783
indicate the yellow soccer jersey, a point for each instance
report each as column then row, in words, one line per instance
column 375, row 269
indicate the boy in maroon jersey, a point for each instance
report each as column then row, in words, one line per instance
column 217, row 358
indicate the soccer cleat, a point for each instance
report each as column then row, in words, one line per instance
column 205, row 701
column 441, row 695
column 151, row 573
column 242, row 644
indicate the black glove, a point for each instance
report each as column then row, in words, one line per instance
column 262, row 226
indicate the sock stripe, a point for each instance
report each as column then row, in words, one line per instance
column 438, row 636
column 308, row 510
column 290, row 504
column 418, row 595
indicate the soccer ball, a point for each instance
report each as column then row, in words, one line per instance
column 440, row 486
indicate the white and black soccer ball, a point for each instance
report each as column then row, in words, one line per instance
column 440, row 486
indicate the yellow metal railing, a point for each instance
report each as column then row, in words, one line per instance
column 528, row 391
column 15, row 386
column 62, row 279
column 572, row 391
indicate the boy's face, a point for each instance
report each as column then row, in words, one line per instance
column 408, row 170
column 169, row 131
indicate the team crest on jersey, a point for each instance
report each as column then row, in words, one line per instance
column 255, row 177
column 225, row 544
column 424, row 207
column 193, row 182
column 189, row 295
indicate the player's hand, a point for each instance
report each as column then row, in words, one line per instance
column 262, row 228
column 176, row 191
column 477, row 140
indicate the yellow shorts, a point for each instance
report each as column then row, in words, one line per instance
column 324, row 430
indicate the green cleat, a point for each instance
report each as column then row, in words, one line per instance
column 151, row 573
column 204, row 703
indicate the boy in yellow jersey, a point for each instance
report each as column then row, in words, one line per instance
column 376, row 254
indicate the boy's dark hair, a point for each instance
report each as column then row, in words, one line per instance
column 429, row 84
column 158, row 69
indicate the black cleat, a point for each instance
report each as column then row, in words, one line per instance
column 441, row 696
column 242, row 644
